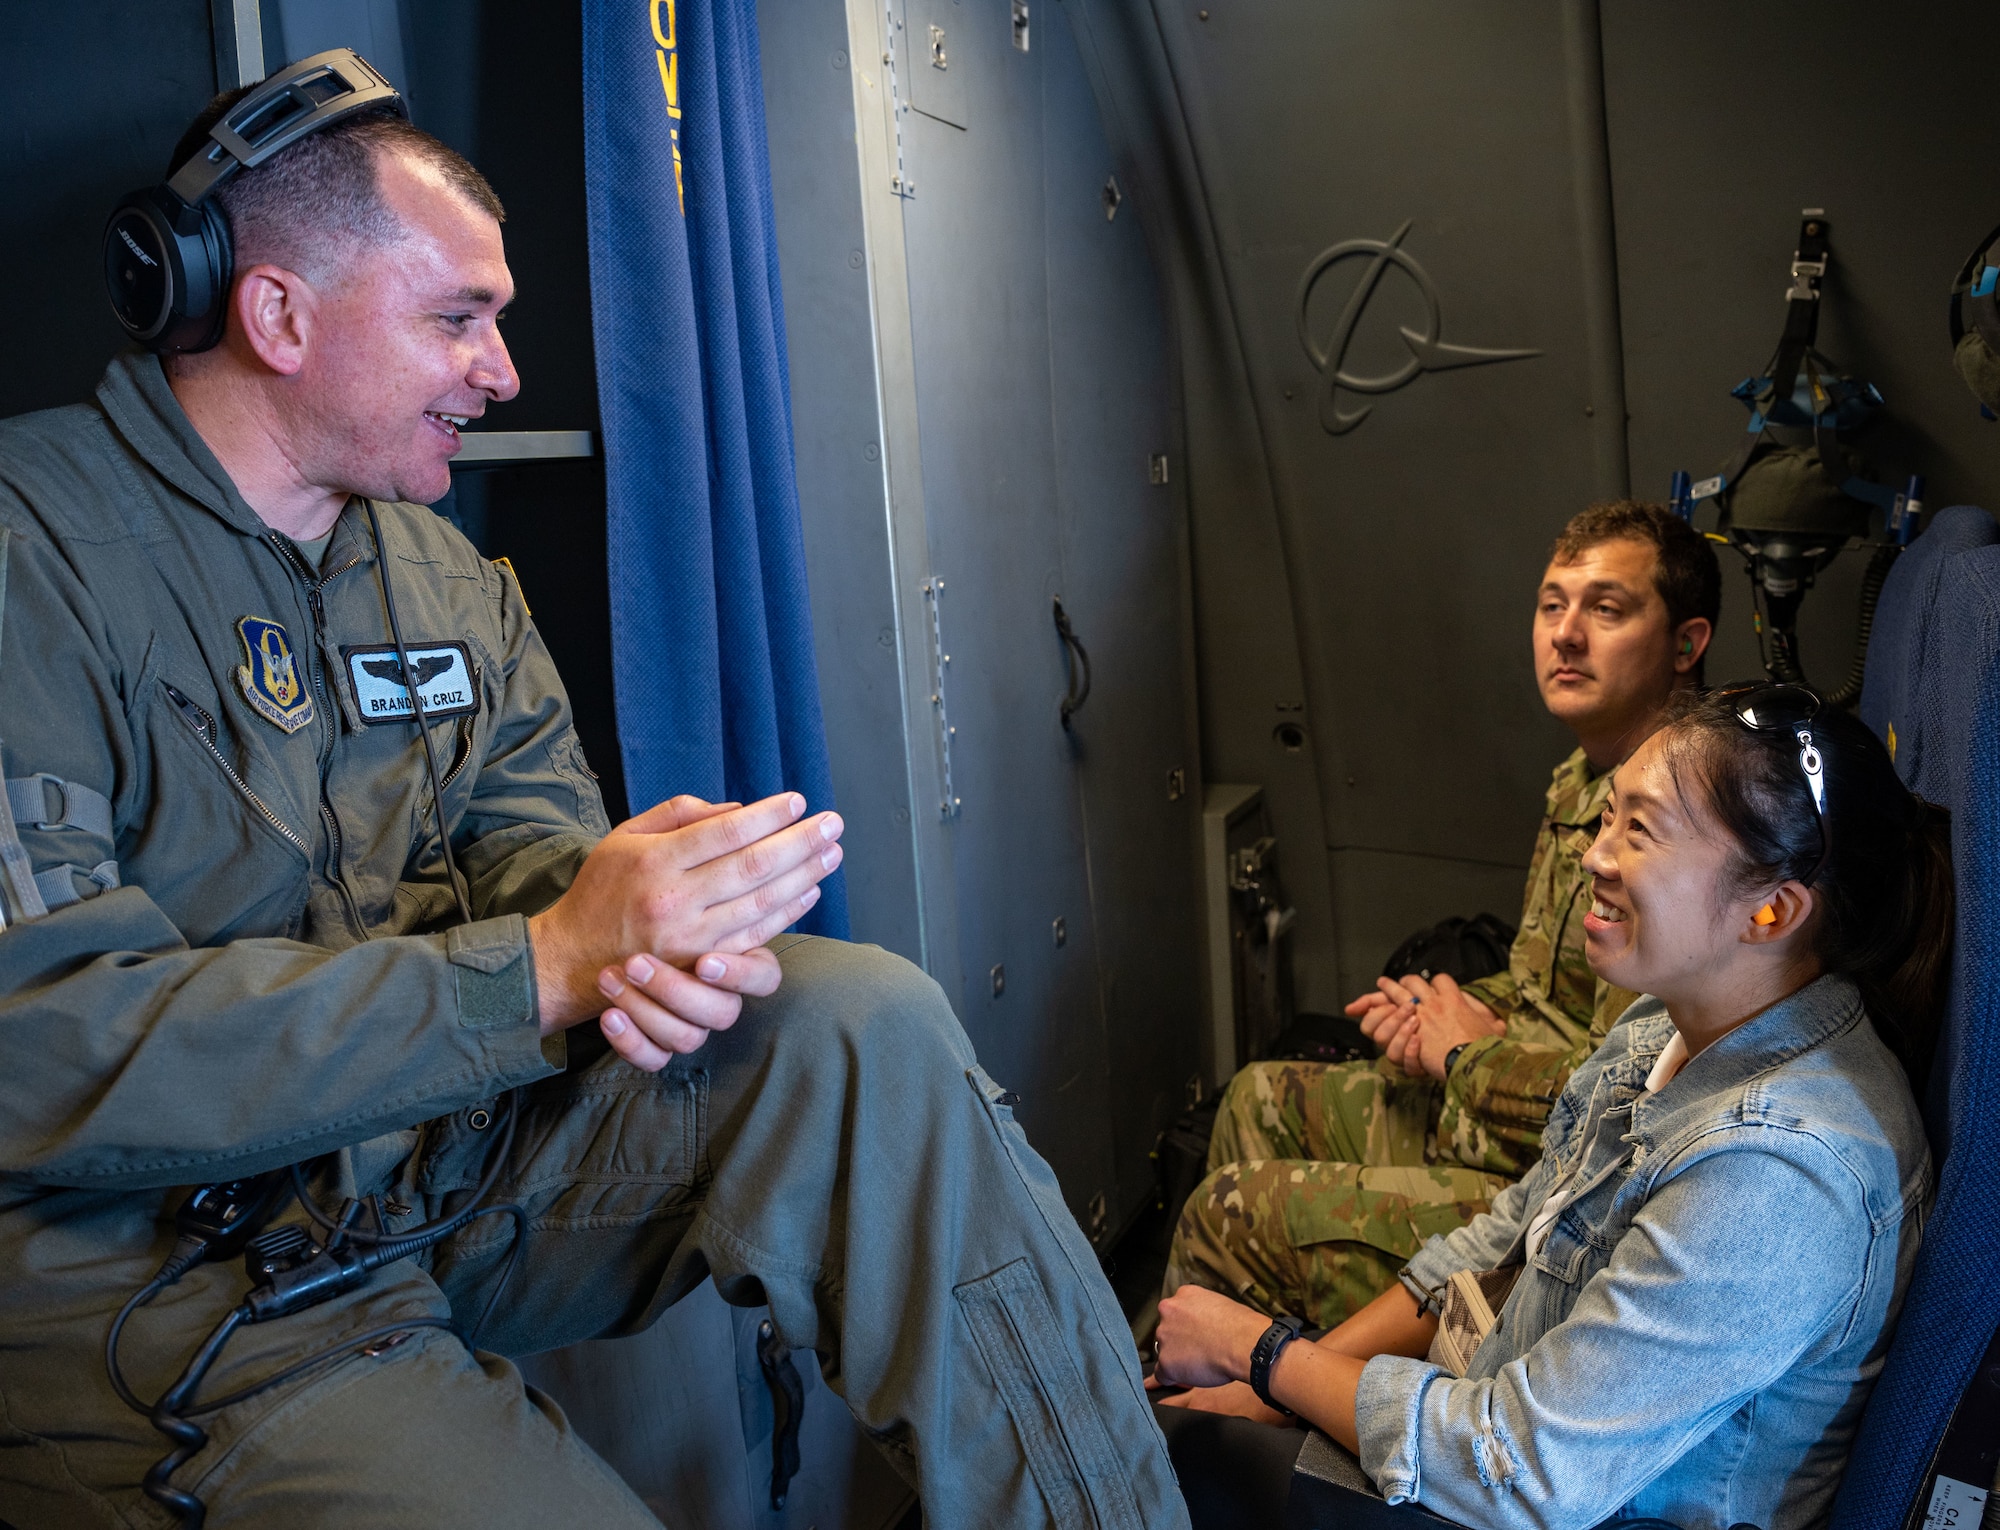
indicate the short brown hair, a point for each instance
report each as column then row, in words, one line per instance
column 296, row 207
column 1685, row 571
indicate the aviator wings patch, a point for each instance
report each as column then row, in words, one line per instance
column 442, row 672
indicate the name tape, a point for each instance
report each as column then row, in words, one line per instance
column 443, row 674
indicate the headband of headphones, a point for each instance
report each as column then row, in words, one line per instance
column 1974, row 304
column 167, row 254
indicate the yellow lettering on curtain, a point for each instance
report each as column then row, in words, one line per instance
column 667, row 54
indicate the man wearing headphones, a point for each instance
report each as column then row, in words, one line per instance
column 1323, row 1181
column 302, row 866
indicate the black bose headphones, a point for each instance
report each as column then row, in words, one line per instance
column 167, row 253
column 1974, row 304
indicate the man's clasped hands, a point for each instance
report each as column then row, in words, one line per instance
column 1416, row 1022
column 664, row 932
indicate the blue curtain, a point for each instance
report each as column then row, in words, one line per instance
column 711, row 632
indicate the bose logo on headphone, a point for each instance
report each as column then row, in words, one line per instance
column 167, row 254
column 133, row 245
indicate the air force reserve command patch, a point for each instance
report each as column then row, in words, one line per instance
column 271, row 679
column 443, row 673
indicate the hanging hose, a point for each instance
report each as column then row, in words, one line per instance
column 1871, row 590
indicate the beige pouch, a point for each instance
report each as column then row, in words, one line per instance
column 1472, row 1303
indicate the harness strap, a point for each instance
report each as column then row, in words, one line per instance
column 49, row 802
column 17, row 869
column 57, row 885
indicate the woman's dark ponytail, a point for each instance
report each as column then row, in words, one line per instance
column 1886, row 891
column 1909, row 991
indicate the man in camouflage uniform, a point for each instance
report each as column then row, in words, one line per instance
column 1324, row 1180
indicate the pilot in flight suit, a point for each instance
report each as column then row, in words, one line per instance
column 249, row 957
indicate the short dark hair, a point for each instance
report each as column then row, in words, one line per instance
column 1685, row 571
column 324, row 188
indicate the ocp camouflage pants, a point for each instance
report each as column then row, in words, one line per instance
column 1321, row 1185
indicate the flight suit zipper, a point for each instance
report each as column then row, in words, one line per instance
column 202, row 725
column 316, row 604
column 464, row 751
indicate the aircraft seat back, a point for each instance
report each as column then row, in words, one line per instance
column 1940, row 689
column 1904, row 615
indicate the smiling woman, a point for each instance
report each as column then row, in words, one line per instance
column 1718, row 818
column 1703, row 1271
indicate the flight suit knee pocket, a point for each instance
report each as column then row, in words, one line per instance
column 1058, row 1423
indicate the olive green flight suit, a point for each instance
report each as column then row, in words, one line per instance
column 230, row 946
column 1323, row 1181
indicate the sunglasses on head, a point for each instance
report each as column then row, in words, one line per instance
column 1784, row 708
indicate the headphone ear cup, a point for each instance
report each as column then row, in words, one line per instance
column 167, row 270
column 204, row 324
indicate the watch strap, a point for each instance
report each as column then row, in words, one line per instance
column 1451, row 1057
column 1281, row 1332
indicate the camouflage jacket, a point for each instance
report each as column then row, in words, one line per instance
column 1557, row 1010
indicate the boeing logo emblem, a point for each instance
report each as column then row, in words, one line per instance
column 1428, row 351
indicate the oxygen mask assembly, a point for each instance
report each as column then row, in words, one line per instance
column 1794, row 494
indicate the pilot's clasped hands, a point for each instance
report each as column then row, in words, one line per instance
column 1416, row 1022
column 663, row 932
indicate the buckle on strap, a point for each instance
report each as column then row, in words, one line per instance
column 58, row 883
column 49, row 802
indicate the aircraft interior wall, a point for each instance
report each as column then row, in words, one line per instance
column 1268, row 341
column 1355, row 596
column 982, row 385
column 1371, row 583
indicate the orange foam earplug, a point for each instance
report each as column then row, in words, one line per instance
column 1765, row 915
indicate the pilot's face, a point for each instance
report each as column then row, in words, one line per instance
column 1604, row 648
column 1660, row 920
column 405, row 338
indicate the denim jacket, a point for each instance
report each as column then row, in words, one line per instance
column 1696, row 1338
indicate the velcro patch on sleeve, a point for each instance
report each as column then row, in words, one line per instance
column 443, row 672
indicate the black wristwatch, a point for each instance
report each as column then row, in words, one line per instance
column 1281, row 1332
column 1452, row 1056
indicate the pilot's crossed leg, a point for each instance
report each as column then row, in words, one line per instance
column 838, row 1153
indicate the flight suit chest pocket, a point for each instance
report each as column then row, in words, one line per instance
column 214, row 802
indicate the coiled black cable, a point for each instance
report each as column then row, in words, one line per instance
column 173, row 1415
column 188, row 1437
column 1883, row 559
